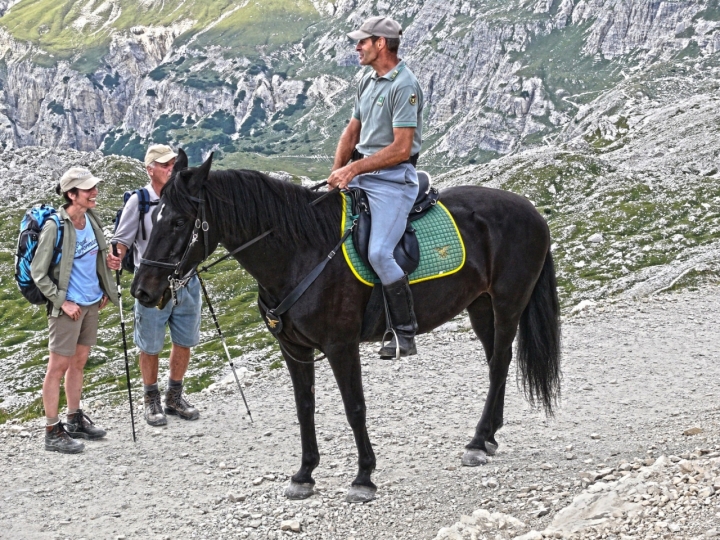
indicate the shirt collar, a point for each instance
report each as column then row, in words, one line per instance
column 393, row 73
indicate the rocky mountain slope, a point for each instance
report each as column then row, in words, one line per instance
column 603, row 113
column 272, row 79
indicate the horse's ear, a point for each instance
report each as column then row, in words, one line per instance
column 181, row 162
column 205, row 167
column 199, row 175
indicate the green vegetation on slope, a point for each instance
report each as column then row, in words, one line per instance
column 23, row 356
column 81, row 30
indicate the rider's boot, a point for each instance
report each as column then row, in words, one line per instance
column 402, row 318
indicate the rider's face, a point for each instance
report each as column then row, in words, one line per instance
column 368, row 51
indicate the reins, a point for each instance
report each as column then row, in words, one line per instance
column 272, row 315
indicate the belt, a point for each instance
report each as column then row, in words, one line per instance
column 412, row 160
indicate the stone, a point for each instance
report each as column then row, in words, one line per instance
column 257, row 481
column 706, row 492
column 235, row 497
column 532, row 535
column 290, row 525
column 582, row 306
column 692, row 431
column 596, row 238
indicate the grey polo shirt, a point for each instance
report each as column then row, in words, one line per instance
column 383, row 103
column 129, row 232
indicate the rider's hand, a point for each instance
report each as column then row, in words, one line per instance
column 71, row 309
column 104, row 301
column 113, row 262
column 341, row 177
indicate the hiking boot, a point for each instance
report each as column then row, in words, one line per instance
column 154, row 414
column 57, row 440
column 175, row 403
column 402, row 319
column 79, row 426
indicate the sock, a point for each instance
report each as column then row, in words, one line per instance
column 174, row 384
column 150, row 388
column 52, row 420
column 72, row 411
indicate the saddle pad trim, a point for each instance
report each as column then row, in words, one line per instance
column 343, row 227
column 344, row 249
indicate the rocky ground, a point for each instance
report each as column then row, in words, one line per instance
column 633, row 452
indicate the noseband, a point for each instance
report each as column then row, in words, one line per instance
column 201, row 224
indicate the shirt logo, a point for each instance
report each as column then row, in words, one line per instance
column 380, row 101
column 413, row 99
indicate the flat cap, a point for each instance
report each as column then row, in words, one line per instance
column 161, row 153
column 377, row 26
column 77, row 177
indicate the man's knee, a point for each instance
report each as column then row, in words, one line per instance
column 379, row 257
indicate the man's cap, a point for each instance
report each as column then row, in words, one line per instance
column 161, row 153
column 77, row 177
column 377, row 26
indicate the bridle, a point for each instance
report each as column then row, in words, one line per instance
column 176, row 281
column 201, row 224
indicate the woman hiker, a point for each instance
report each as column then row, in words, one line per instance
column 81, row 285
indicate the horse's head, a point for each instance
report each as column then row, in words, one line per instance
column 182, row 234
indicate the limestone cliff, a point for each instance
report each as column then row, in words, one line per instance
column 498, row 76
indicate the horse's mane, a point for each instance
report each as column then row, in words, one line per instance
column 247, row 203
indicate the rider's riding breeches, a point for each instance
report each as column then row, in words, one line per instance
column 391, row 194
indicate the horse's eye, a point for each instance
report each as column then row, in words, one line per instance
column 180, row 223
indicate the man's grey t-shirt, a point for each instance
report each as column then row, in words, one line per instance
column 129, row 232
column 382, row 103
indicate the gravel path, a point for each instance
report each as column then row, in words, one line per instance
column 637, row 375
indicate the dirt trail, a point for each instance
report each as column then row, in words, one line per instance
column 636, row 375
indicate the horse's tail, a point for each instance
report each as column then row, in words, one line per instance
column 538, row 348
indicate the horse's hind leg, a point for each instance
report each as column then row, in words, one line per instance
column 299, row 361
column 496, row 330
column 483, row 323
column 345, row 363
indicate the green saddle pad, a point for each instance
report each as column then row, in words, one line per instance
column 442, row 251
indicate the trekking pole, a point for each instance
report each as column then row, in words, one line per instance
column 227, row 352
column 122, row 325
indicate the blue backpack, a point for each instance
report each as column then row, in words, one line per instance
column 144, row 204
column 30, row 227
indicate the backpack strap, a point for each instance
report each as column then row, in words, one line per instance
column 57, row 251
column 143, row 207
column 144, row 204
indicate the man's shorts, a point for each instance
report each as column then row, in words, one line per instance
column 183, row 319
column 66, row 334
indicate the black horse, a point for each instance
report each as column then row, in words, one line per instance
column 508, row 281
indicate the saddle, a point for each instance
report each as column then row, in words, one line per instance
column 407, row 251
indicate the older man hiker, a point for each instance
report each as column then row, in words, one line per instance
column 182, row 317
column 383, row 141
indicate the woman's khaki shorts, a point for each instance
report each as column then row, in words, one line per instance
column 66, row 334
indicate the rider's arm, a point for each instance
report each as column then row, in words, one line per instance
column 348, row 140
column 389, row 156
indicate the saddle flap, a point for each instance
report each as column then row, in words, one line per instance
column 406, row 252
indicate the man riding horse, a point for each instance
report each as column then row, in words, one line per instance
column 382, row 143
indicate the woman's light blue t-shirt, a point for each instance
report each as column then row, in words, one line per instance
column 84, row 287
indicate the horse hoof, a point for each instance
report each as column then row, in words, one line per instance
column 490, row 448
column 474, row 458
column 298, row 491
column 360, row 494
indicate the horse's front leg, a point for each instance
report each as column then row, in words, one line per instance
column 345, row 363
column 299, row 361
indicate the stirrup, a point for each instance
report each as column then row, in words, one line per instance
column 383, row 343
